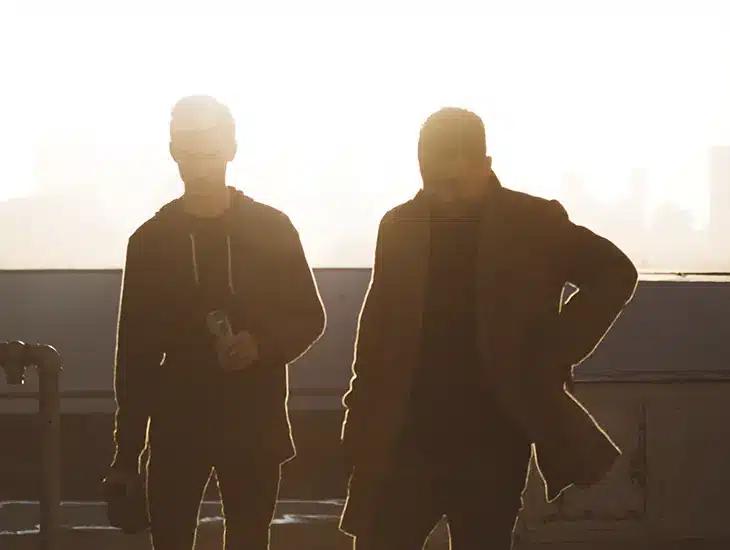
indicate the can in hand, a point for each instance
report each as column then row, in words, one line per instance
column 220, row 327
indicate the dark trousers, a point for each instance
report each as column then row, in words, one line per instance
column 481, row 504
column 176, row 480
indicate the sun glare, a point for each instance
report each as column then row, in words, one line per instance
column 328, row 111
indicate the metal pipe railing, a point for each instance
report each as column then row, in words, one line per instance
column 15, row 358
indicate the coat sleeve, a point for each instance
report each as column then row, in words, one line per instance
column 369, row 335
column 136, row 359
column 606, row 280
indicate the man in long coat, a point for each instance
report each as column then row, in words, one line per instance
column 465, row 352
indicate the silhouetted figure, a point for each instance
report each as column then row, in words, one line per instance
column 217, row 299
column 464, row 351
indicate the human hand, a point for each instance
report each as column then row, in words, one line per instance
column 239, row 352
column 122, row 477
column 126, row 500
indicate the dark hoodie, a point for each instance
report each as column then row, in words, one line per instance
column 248, row 262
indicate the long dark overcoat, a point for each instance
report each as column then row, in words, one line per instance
column 528, row 341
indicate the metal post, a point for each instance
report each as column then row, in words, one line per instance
column 48, row 364
column 15, row 357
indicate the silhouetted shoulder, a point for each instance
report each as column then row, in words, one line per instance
column 154, row 222
column 533, row 207
column 267, row 221
column 394, row 214
column 403, row 211
column 265, row 214
column 142, row 231
column 139, row 242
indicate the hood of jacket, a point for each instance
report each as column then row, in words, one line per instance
column 173, row 214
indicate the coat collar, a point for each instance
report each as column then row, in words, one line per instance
column 420, row 204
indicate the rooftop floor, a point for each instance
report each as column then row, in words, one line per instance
column 298, row 525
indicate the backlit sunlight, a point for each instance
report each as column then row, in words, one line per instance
column 625, row 119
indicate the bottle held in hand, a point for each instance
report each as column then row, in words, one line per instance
column 126, row 503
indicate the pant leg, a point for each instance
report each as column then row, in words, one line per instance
column 410, row 507
column 249, row 491
column 176, row 479
column 483, row 505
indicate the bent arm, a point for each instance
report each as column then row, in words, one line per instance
column 136, row 360
column 302, row 316
column 606, row 280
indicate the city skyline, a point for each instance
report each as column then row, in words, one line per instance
column 663, row 236
column 652, row 237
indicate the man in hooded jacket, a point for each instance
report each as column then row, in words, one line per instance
column 217, row 300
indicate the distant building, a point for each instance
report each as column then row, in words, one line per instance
column 719, row 226
column 719, row 175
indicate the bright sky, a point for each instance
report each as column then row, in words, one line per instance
column 328, row 110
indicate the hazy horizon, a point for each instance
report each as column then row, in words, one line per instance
column 624, row 119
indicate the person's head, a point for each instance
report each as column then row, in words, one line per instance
column 452, row 154
column 202, row 143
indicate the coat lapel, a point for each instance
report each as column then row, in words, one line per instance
column 413, row 251
column 498, row 286
column 492, row 283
